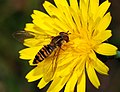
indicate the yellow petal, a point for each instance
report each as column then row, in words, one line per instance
column 106, row 49
column 33, row 42
column 30, row 27
column 69, row 19
column 66, row 58
column 82, row 2
column 36, row 73
column 46, row 24
column 53, row 11
column 98, row 65
column 29, row 53
column 64, row 70
column 40, row 14
column 34, row 29
column 81, row 84
column 55, row 83
column 62, row 2
column 64, row 8
column 92, row 74
column 39, row 69
column 94, row 4
column 49, row 67
column 67, row 67
column 40, row 23
column 84, row 12
column 49, row 7
column 77, row 20
column 74, row 5
column 102, row 36
column 62, row 26
column 42, row 83
column 58, row 83
column 31, row 77
column 102, row 10
column 57, row 14
column 71, row 83
column 43, row 35
column 56, row 25
column 104, row 22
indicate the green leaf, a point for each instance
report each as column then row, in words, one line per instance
column 118, row 54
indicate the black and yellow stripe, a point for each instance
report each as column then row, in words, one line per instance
column 43, row 53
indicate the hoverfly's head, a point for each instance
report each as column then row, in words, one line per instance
column 65, row 36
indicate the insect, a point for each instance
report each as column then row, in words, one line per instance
column 46, row 50
column 56, row 41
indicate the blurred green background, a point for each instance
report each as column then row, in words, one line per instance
column 14, row 14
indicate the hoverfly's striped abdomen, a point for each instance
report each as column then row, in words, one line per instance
column 43, row 53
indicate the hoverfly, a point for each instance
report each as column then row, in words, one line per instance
column 56, row 41
column 44, row 52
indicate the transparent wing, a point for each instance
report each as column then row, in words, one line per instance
column 22, row 35
column 50, row 65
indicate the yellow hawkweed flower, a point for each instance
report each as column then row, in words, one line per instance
column 87, row 22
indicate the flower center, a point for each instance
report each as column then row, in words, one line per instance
column 81, row 45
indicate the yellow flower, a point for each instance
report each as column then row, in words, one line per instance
column 87, row 22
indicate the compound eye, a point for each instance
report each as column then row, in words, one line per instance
column 67, row 39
